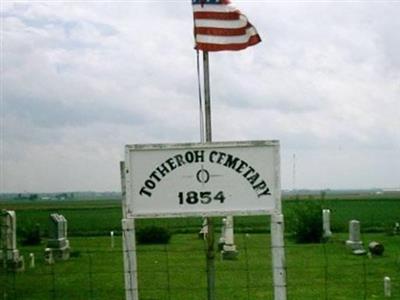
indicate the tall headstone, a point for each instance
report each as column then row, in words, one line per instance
column 32, row 260
column 387, row 287
column 112, row 238
column 229, row 249
column 354, row 242
column 11, row 259
column 221, row 241
column 326, row 223
column 58, row 243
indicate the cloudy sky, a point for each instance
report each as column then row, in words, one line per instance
column 81, row 79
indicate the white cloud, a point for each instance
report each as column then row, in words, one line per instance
column 83, row 79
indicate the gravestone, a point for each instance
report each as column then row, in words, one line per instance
column 204, row 229
column 58, row 243
column 229, row 249
column 48, row 256
column 376, row 248
column 354, row 242
column 326, row 223
column 387, row 287
column 221, row 241
column 31, row 260
column 11, row 259
column 396, row 228
column 112, row 238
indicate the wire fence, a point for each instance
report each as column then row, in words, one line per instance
column 178, row 271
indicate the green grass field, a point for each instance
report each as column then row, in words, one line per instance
column 178, row 270
column 98, row 218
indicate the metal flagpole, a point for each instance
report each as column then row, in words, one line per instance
column 207, row 100
column 208, row 139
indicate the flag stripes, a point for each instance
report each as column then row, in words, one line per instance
column 219, row 26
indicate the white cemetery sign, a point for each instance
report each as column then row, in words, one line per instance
column 211, row 179
column 236, row 178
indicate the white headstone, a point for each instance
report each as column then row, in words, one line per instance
column 354, row 231
column 8, row 242
column 58, row 228
column 387, row 287
column 326, row 223
column 354, row 242
column 58, row 242
column 48, row 256
column 8, row 230
column 221, row 241
column 32, row 260
column 229, row 236
column 112, row 238
column 229, row 249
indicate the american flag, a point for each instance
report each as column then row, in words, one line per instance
column 219, row 26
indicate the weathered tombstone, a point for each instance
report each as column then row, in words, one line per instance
column 11, row 258
column 376, row 248
column 354, row 242
column 112, row 238
column 58, row 242
column 48, row 256
column 221, row 241
column 32, row 260
column 387, row 287
column 396, row 228
column 229, row 249
column 204, row 229
column 326, row 223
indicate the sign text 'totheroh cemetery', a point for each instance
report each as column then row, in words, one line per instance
column 202, row 179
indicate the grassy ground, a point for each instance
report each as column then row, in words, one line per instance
column 96, row 218
column 177, row 271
